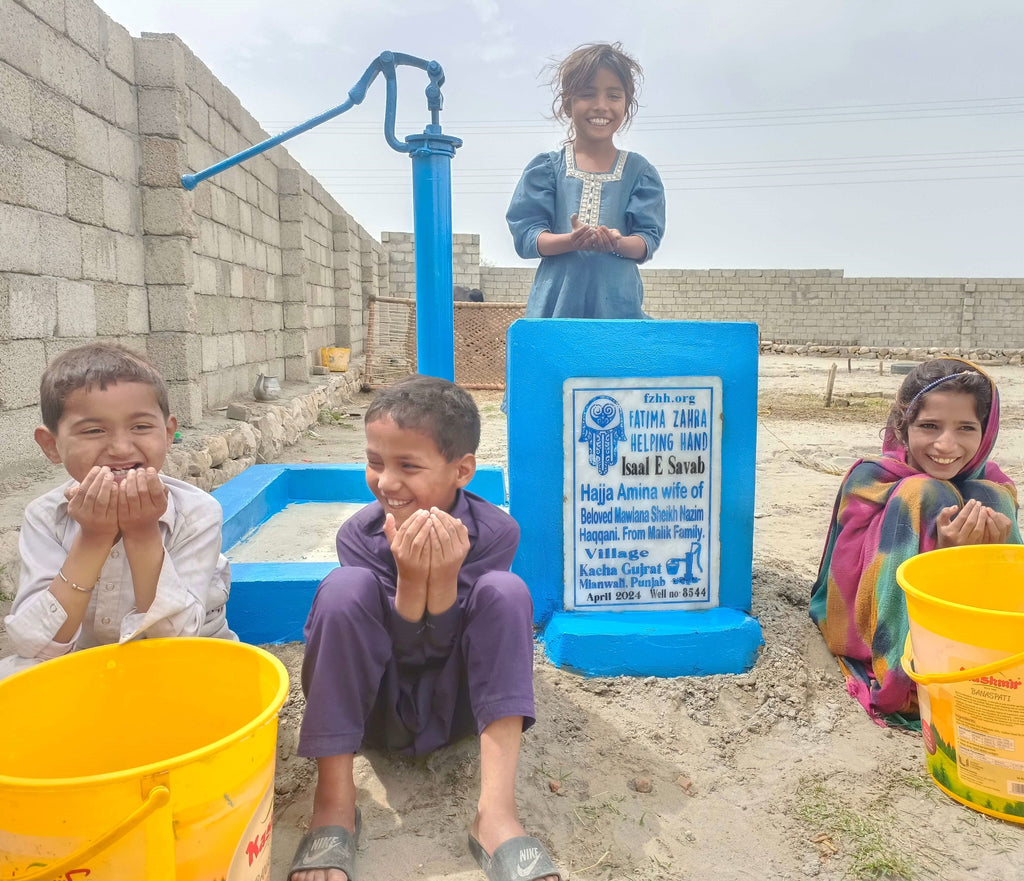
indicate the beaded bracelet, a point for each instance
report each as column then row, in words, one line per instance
column 74, row 586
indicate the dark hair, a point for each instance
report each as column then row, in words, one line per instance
column 91, row 366
column 579, row 68
column 435, row 407
column 909, row 399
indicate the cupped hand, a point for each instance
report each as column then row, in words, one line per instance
column 92, row 504
column 582, row 237
column 141, row 501
column 410, row 545
column 450, row 544
column 966, row 526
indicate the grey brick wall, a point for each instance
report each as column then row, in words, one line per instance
column 822, row 306
column 253, row 271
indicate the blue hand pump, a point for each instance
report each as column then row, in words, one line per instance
column 431, row 154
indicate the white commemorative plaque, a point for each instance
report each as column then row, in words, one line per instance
column 642, row 492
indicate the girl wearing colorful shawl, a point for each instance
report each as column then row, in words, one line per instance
column 932, row 487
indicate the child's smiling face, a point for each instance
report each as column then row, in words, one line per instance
column 406, row 471
column 121, row 427
column 944, row 435
column 598, row 110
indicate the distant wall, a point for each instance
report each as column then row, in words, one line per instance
column 821, row 306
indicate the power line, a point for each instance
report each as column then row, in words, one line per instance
column 899, row 111
column 462, row 172
column 747, row 186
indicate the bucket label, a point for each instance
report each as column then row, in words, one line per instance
column 988, row 715
column 252, row 856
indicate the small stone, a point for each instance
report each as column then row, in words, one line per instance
column 642, row 784
column 685, row 783
column 555, row 786
column 239, row 411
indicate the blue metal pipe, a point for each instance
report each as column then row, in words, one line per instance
column 431, row 153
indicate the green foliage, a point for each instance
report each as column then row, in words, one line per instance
column 866, row 837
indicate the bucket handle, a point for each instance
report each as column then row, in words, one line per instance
column 907, row 661
column 157, row 798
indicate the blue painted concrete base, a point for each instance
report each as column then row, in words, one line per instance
column 653, row 643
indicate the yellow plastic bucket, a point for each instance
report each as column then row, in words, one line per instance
column 965, row 651
column 151, row 760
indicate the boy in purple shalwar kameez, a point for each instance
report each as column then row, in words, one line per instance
column 423, row 636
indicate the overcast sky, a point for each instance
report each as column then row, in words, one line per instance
column 880, row 137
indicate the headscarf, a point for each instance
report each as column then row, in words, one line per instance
column 855, row 600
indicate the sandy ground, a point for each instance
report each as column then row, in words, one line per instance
column 771, row 774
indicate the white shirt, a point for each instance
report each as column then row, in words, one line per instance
column 191, row 592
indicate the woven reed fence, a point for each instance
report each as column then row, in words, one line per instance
column 480, row 330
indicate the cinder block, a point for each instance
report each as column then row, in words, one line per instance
column 91, row 145
column 84, row 194
column 17, row 446
column 198, row 115
column 225, row 350
column 23, row 362
column 186, row 402
column 126, row 107
column 15, row 102
column 118, row 213
column 238, row 348
column 96, row 87
column 119, row 54
column 19, row 233
column 53, row 121
column 163, row 112
column 216, row 133
column 255, row 347
column 130, row 266
column 168, row 260
column 160, row 61
column 28, row 307
column 84, row 23
column 178, row 355
column 296, row 315
column 163, row 162
column 99, row 254
column 167, row 211
column 76, row 309
column 294, row 342
column 138, row 311
column 111, row 309
column 41, row 179
column 210, row 361
column 122, row 155
column 61, row 246
column 21, row 39
column 296, row 369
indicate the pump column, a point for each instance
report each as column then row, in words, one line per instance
column 432, row 153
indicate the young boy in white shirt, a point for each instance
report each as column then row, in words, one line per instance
column 119, row 551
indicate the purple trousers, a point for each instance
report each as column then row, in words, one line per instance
column 372, row 678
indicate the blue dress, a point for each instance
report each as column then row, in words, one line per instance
column 586, row 284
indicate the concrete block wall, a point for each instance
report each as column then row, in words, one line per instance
column 401, row 254
column 252, row 272
column 72, row 252
column 822, row 306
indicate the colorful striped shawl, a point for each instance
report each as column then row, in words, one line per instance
column 884, row 514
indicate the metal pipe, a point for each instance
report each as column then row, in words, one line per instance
column 431, row 154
